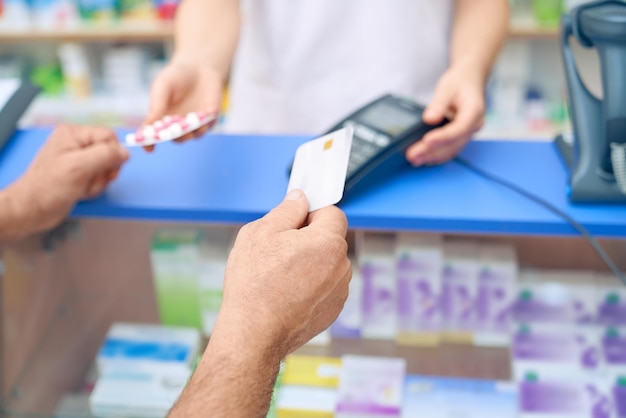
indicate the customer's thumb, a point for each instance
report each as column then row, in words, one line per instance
column 291, row 213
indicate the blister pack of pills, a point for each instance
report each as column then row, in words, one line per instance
column 168, row 129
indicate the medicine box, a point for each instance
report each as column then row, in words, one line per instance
column 496, row 293
column 138, row 347
column 459, row 287
column 370, row 387
column 419, row 259
column 376, row 258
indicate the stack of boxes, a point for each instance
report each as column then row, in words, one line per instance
column 378, row 387
column 565, row 329
column 569, row 351
column 419, row 289
column 142, row 369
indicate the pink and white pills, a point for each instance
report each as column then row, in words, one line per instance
column 168, row 129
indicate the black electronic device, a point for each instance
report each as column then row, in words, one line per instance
column 383, row 128
column 17, row 98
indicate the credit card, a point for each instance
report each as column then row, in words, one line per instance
column 320, row 166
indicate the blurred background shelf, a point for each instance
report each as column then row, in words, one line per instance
column 121, row 32
column 530, row 30
column 164, row 31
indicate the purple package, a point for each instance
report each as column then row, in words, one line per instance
column 565, row 399
column 556, row 297
column 497, row 280
column 370, row 387
column 377, row 265
column 418, row 270
column 614, row 349
column 619, row 397
column 557, row 351
column 611, row 306
column 460, row 275
column 348, row 324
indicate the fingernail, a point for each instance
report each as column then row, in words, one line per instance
column 294, row 195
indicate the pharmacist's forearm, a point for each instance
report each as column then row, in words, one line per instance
column 480, row 30
column 207, row 32
column 234, row 379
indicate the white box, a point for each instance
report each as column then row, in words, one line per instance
column 556, row 296
column 377, row 264
column 557, row 351
column 298, row 401
column 460, row 281
column 370, row 387
column 214, row 251
column 136, row 347
column 496, row 294
column 440, row 397
column 349, row 322
column 419, row 260
column 139, row 394
column 560, row 398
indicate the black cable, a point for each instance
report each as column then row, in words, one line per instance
column 577, row 226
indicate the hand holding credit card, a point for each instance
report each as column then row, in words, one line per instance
column 320, row 166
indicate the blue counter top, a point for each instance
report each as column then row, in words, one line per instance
column 236, row 179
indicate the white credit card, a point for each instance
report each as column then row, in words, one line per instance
column 320, row 167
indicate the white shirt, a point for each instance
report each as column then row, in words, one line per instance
column 302, row 65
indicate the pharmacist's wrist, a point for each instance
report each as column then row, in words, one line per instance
column 470, row 70
column 195, row 62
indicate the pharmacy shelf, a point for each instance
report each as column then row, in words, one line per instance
column 532, row 31
column 121, row 32
column 451, row 360
column 164, row 31
column 236, row 179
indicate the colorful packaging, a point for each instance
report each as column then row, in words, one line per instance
column 370, row 387
column 175, row 259
column 418, row 270
column 308, row 387
column 133, row 393
column 144, row 348
column 557, row 351
column 102, row 11
column 435, row 397
column 610, row 300
column 137, row 10
column 377, row 262
column 496, row 294
column 460, row 280
column 213, row 256
column 556, row 297
column 348, row 324
column 566, row 398
column 166, row 9
column 613, row 343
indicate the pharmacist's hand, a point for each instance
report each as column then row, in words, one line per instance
column 184, row 87
column 460, row 97
column 287, row 276
column 75, row 163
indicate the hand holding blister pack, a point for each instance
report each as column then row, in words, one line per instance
column 168, row 129
column 320, row 167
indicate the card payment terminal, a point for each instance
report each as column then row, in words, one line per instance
column 383, row 129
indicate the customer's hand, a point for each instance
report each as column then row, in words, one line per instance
column 460, row 97
column 76, row 162
column 287, row 277
column 184, row 87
